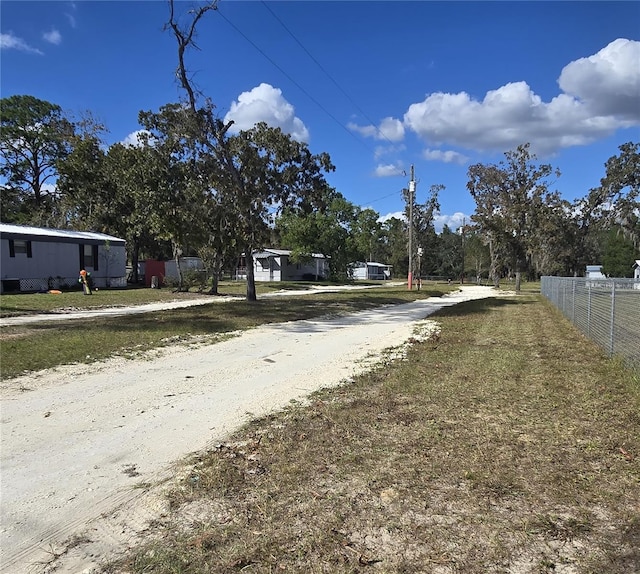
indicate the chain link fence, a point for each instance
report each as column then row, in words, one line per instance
column 605, row 310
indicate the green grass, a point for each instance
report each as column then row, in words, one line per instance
column 507, row 443
column 44, row 345
column 33, row 303
column 526, row 287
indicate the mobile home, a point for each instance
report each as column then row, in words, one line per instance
column 39, row 259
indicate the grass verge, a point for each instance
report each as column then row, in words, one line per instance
column 44, row 345
column 507, row 443
column 33, row 303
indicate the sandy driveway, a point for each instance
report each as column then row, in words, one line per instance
column 80, row 443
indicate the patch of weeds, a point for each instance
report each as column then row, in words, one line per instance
column 560, row 528
column 546, row 565
column 130, row 470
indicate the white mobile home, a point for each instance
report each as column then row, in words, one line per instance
column 371, row 270
column 276, row 265
column 39, row 259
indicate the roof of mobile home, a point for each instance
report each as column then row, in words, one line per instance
column 279, row 252
column 11, row 231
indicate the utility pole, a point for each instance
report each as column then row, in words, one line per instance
column 412, row 191
column 464, row 222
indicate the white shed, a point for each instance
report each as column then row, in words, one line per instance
column 636, row 269
column 39, row 259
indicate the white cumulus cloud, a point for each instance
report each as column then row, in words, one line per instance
column 49, row 188
column 609, row 81
column 448, row 156
column 11, row 42
column 390, row 129
column 264, row 103
column 600, row 94
column 381, row 151
column 366, row 131
column 134, row 138
column 53, row 37
column 392, row 215
column 389, row 170
column 454, row 222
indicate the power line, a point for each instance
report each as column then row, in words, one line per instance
column 326, row 73
column 384, row 197
column 305, row 92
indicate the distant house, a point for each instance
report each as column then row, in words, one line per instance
column 276, row 265
column 595, row 272
column 371, row 270
column 39, row 259
column 636, row 269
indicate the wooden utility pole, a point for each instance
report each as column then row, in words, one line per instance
column 464, row 223
column 412, row 192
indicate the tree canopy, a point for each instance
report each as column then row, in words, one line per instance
column 34, row 136
column 618, row 196
column 511, row 200
column 325, row 230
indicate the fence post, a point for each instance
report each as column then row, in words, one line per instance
column 613, row 313
column 589, row 308
column 573, row 302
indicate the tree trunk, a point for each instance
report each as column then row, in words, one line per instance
column 493, row 271
column 215, row 276
column 177, row 252
column 518, row 278
column 251, row 280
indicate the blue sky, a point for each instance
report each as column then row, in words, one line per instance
column 380, row 86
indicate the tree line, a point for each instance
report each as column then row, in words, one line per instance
column 530, row 229
column 186, row 188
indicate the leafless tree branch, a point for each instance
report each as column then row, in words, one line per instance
column 185, row 36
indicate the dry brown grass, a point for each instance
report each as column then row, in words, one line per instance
column 507, row 444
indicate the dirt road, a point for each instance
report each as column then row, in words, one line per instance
column 81, row 445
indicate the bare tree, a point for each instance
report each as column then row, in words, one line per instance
column 185, row 39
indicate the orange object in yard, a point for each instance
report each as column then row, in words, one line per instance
column 54, row 292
